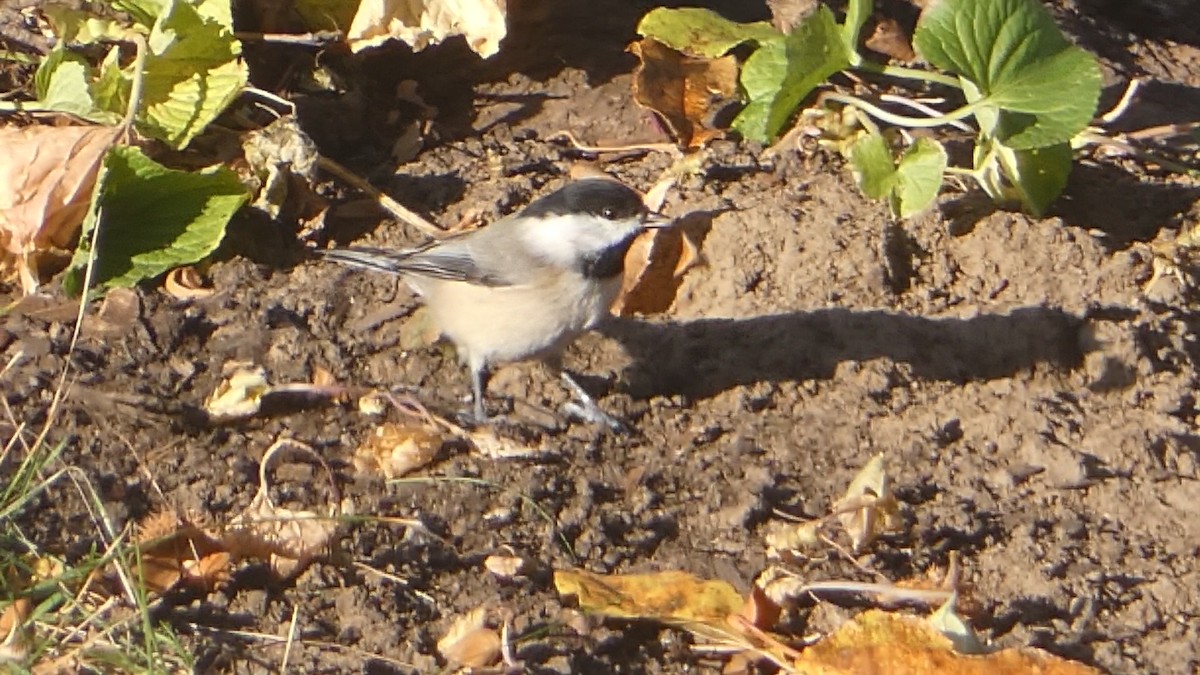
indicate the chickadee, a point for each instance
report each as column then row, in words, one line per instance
column 526, row 286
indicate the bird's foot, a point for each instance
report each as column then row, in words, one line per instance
column 585, row 408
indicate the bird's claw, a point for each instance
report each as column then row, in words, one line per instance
column 592, row 414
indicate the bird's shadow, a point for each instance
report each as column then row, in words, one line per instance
column 702, row 358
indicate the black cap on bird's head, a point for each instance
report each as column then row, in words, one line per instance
column 599, row 197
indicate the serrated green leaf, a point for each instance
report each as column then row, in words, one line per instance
column 783, row 71
column 918, row 177
column 1044, row 88
column 152, row 219
column 701, row 32
column 874, row 169
column 193, row 72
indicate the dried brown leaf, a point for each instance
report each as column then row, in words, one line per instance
column 889, row 39
column 240, row 394
column 506, row 566
column 185, row 283
column 288, row 539
column 671, row 596
column 46, row 180
column 398, row 449
column 868, row 508
column 688, row 93
column 170, row 547
column 470, row 643
column 421, row 23
column 912, row 646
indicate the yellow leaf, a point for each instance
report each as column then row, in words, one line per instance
column 669, row 597
column 897, row 644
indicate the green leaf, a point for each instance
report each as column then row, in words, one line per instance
column 62, row 84
column 1032, row 178
column 701, row 32
column 110, row 89
column 919, row 177
column 76, row 26
column 783, row 71
column 857, row 12
column 193, row 72
column 871, row 161
column 152, row 219
column 1045, row 90
column 910, row 186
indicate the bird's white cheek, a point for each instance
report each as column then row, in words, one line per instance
column 568, row 238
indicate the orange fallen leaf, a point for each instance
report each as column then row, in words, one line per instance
column 654, row 269
column 688, row 93
column 897, row 644
column 671, row 597
column 398, row 449
column 46, row 180
column 469, row 642
column 173, row 550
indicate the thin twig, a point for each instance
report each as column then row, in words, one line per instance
column 317, row 39
column 291, row 639
column 570, row 138
column 391, row 205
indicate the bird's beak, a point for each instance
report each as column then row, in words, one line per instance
column 654, row 221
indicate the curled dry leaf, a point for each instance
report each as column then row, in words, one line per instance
column 913, row 646
column 868, row 508
column 790, row 538
column 671, row 597
column 398, row 449
column 470, row 643
column 889, row 39
column 506, row 566
column 185, row 283
column 688, row 93
column 494, row 446
column 288, row 539
column 421, row 23
column 174, row 550
column 46, row 180
column 373, row 403
column 240, row 394
column 654, row 269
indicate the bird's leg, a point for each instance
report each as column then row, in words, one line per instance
column 585, row 408
column 479, row 381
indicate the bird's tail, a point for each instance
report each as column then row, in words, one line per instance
column 378, row 259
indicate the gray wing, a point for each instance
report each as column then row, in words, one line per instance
column 477, row 258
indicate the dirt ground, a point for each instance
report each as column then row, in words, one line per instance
column 1032, row 393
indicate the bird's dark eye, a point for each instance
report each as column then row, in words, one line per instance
column 608, row 212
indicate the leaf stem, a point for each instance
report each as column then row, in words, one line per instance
column 902, row 120
column 904, row 73
column 139, row 76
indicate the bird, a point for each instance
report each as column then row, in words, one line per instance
column 525, row 287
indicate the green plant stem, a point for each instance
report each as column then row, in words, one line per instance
column 902, row 120
column 909, row 73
